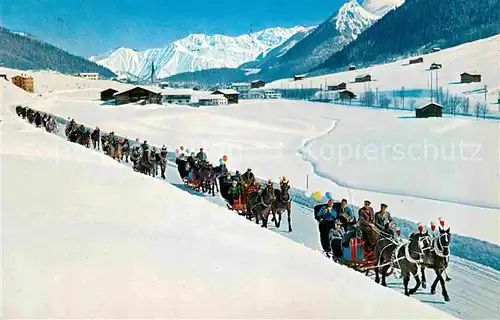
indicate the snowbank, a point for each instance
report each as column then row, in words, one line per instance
column 480, row 56
column 84, row 236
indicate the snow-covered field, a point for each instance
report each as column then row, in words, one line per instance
column 475, row 57
column 278, row 138
column 84, row 236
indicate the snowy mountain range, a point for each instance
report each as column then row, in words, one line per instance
column 306, row 50
column 197, row 52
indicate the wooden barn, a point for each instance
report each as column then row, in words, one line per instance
column 436, row 66
column 231, row 95
column 431, row 109
column 108, row 94
column 469, row 77
column 346, row 95
column 363, row 78
column 258, row 84
column 298, row 77
column 417, row 60
column 138, row 94
column 340, row 86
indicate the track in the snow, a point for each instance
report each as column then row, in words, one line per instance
column 474, row 289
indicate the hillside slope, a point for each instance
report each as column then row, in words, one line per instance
column 22, row 52
column 417, row 26
column 153, row 255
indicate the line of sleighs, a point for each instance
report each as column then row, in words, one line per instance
column 37, row 118
column 367, row 245
column 371, row 244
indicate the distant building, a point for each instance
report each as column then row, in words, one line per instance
column 242, row 88
column 4, row 76
column 346, row 95
column 24, row 82
column 138, row 94
column 363, row 78
column 108, row 94
column 272, row 94
column 164, row 85
column 436, row 66
column 213, row 100
column 88, row 75
column 469, row 77
column 431, row 109
column 178, row 96
column 231, row 95
column 436, row 49
column 298, row 77
column 256, row 94
column 340, row 86
column 351, row 68
column 417, row 60
column 258, row 84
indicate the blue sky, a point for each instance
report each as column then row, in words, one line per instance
column 90, row 27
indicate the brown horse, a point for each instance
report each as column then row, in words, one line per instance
column 282, row 203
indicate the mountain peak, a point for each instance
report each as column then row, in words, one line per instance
column 381, row 7
column 197, row 52
column 352, row 19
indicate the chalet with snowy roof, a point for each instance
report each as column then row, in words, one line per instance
column 436, row 66
column 176, row 96
column 258, row 84
column 108, row 94
column 243, row 88
column 363, row 78
column 213, row 100
column 417, row 60
column 231, row 95
column 470, row 77
column 431, row 109
column 340, row 86
column 298, row 77
column 346, row 95
column 351, row 68
column 144, row 95
column 24, row 82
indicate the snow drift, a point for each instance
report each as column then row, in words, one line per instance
column 84, row 236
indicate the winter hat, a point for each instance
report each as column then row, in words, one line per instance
column 442, row 222
column 421, row 227
column 433, row 225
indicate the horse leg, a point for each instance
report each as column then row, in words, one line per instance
column 406, row 280
column 417, row 279
column 424, row 280
column 448, row 278
column 377, row 277
column 384, row 274
column 289, row 210
column 434, row 284
column 444, row 291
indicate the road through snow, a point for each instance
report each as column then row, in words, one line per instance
column 474, row 289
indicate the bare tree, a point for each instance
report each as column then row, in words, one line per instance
column 368, row 98
column 412, row 102
column 384, row 101
column 478, row 109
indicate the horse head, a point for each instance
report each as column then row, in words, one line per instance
column 285, row 188
column 442, row 242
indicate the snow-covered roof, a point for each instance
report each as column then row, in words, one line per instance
column 151, row 89
column 300, row 76
column 260, row 80
column 240, row 84
column 227, row 91
column 431, row 103
column 212, row 97
column 176, row 92
column 362, row 75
